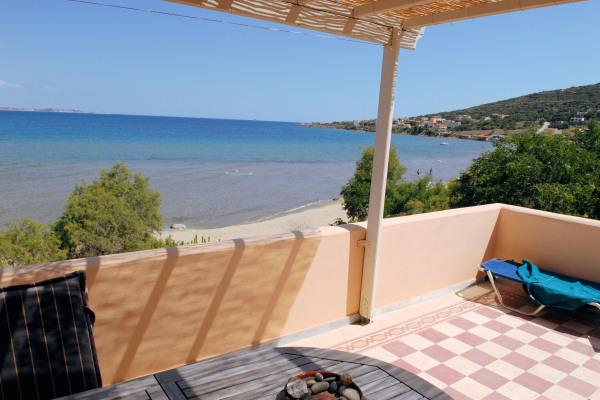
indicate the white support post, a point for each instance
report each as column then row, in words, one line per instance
column 383, row 135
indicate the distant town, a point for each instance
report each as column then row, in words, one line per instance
column 463, row 126
column 57, row 110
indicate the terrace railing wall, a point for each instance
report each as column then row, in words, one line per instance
column 160, row 309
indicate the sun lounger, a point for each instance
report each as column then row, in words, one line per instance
column 547, row 288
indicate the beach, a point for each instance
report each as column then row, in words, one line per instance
column 316, row 217
column 210, row 173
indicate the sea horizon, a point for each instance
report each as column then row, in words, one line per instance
column 210, row 172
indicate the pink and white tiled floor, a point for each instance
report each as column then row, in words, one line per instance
column 473, row 349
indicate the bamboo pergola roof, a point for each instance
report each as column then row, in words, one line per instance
column 371, row 21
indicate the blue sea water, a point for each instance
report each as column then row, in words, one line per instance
column 210, row 172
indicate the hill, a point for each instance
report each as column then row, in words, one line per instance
column 553, row 105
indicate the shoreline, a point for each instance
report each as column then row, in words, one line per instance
column 315, row 217
column 476, row 136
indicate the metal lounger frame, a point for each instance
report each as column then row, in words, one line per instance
column 490, row 276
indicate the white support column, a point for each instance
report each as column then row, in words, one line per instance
column 383, row 135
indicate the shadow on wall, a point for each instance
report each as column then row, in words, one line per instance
column 196, row 302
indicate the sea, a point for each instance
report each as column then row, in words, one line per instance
column 210, row 172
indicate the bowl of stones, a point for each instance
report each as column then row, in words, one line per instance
column 322, row 385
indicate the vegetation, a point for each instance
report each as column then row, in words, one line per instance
column 495, row 122
column 116, row 213
column 509, row 116
column 27, row 242
column 552, row 106
column 543, row 171
column 402, row 197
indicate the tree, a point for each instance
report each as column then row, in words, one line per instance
column 419, row 196
column 356, row 191
column 542, row 171
column 27, row 242
column 116, row 213
column 401, row 198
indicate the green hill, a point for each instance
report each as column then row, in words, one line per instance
column 553, row 105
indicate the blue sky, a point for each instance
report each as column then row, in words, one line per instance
column 61, row 54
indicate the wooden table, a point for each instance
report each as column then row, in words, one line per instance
column 262, row 374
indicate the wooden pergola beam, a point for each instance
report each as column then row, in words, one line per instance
column 482, row 10
column 381, row 6
column 300, row 14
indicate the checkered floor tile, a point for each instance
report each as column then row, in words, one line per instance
column 477, row 350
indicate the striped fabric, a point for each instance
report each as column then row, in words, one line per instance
column 46, row 345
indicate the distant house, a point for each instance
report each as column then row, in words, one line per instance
column 452, row 124
column 430, row 125
column 440, row 128
column 577, row 120
column 465, row 117
column 495, row 138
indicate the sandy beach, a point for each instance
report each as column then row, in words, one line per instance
column 312, row 218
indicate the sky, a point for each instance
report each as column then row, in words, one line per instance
column 63, row 54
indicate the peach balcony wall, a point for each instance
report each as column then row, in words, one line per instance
column 425, row 253
column 165, row 308
column 160, row 309
column 560, row 243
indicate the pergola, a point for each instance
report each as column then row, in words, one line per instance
column 395, row 24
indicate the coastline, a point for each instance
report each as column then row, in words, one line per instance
column 316, row 217
column 476, row 135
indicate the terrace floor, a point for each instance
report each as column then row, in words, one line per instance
column 466, row 344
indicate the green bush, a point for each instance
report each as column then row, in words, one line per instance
column 27, row 242
column 402, row 197
column 547, row 172
column 114, row 214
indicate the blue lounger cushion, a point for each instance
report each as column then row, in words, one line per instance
column 557, row 290
column 503, row 268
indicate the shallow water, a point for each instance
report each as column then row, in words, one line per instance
column 210, row 173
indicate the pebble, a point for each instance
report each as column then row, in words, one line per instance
column 319, row 387
column 296, row 387
column 350, row 394
column 306, row 388
column 332, row 387
column 346, row 379
column 341, row 389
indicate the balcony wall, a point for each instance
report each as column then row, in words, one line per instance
column 425, row 253
column 163, row 308
column 559, row 243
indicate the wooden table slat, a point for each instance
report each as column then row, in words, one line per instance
column 382, row 382
column 140, row 388
column 390, row 391
column 276, row 388
column 284, row 368
column 249, row 384
column 262, row 374
column 410, row 396
column 236, row 373
column 224, row 363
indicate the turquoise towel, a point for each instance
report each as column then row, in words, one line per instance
column 557, row 290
